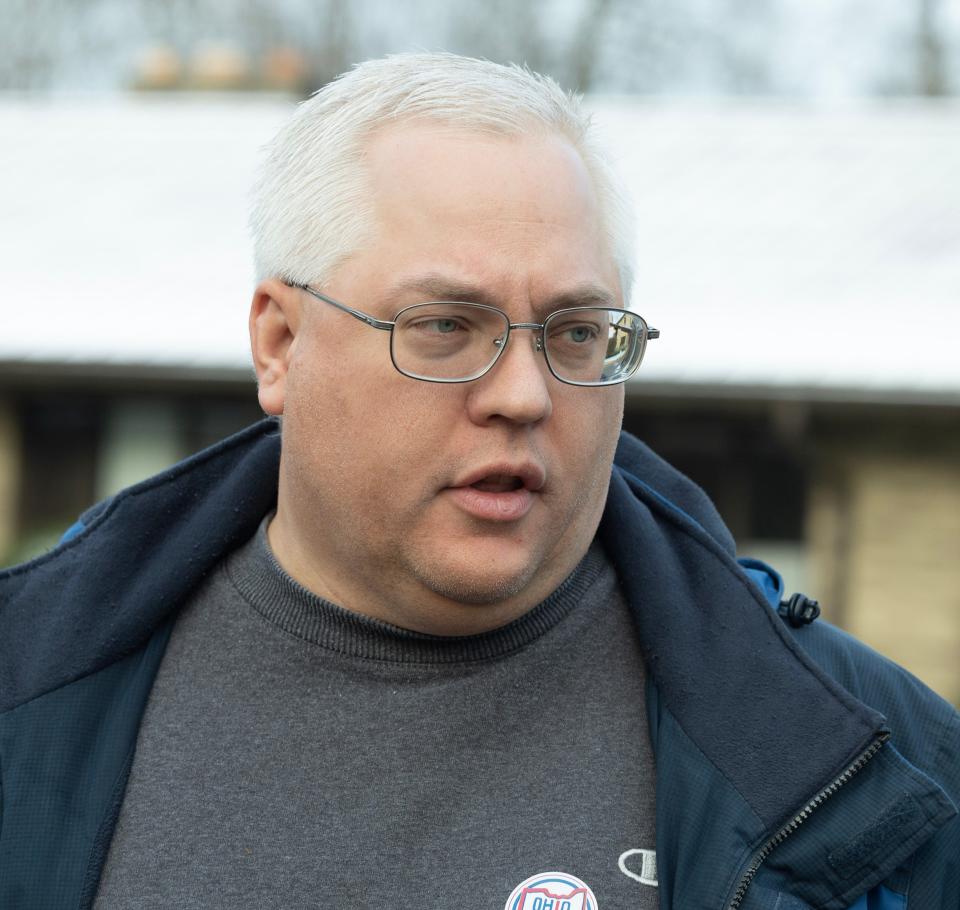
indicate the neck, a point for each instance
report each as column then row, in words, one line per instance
column 382, row 593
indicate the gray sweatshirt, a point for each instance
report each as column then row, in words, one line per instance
column 294, row 754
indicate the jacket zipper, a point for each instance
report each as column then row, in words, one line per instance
column 761, row 855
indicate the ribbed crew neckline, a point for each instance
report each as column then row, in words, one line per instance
column 280, row 599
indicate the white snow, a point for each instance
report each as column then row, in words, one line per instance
column 779, row 246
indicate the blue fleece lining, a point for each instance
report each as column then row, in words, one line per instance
column 767, row 579
column 72, row 531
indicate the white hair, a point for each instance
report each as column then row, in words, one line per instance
column 311, row 203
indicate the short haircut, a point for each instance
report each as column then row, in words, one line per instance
column 311, row 202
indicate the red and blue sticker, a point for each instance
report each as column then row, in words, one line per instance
column 552, row 891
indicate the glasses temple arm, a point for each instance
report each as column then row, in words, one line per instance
column 363, row 317
column 651, row 332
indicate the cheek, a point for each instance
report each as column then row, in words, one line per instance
column 589, row 444
column 373, row 428
column 323, row 423
column 595, row 421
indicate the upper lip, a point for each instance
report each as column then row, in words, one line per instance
column 532, row 475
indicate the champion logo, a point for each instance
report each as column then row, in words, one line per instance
column 551, row 891
column 642, row 868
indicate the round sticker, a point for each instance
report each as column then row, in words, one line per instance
column 551, row 891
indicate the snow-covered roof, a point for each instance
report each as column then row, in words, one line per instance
column 779, row 247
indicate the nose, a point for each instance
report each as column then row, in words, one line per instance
column 517, row 388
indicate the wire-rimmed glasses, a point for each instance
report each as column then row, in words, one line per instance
column 448, row 341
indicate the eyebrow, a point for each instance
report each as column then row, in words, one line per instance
column 436, row 286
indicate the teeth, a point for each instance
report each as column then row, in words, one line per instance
column 498, row 483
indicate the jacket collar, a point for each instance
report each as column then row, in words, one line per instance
column 716, row 650
column 138, row 555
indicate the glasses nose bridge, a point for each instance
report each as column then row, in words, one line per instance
column 533, row 327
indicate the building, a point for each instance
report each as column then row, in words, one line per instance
column 802, row 264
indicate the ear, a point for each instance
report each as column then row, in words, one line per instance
column 274, row 322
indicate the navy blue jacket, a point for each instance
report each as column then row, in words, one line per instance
column 795, row 767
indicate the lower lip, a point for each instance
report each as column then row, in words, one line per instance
column 511, row 505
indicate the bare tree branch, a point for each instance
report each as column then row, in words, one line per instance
column 931, row 63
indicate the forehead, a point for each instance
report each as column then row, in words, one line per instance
column 485, row 206
column 435, row 163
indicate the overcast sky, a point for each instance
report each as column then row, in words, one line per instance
column 802, row 48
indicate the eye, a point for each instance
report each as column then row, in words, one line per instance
column 575, row 332
column 581, row 333
column 438, row 325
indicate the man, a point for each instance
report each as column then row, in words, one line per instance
column 447, row 638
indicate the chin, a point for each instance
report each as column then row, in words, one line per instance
column 478, row 591
column 487, row 569
column 475, row 585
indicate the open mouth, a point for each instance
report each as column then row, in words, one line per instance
column 498, row 483
column 498, row 495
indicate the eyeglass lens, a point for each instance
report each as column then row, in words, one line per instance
column 460, row 341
